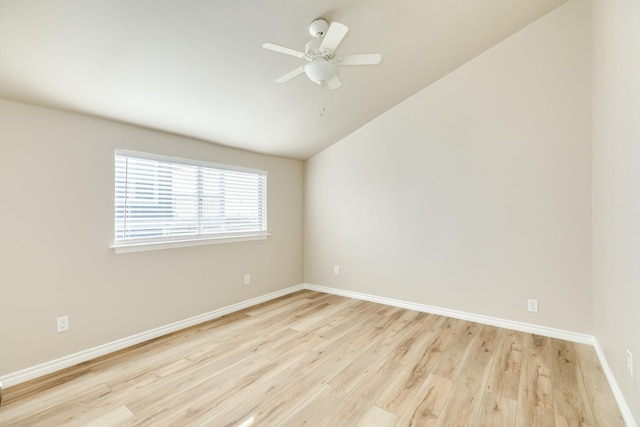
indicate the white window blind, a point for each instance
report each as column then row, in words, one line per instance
column 165, row 199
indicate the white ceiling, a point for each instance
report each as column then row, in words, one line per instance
column 197, row 67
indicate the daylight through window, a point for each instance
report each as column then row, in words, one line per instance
column 164, row 199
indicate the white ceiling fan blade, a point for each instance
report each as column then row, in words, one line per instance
column 334, row 36
column 291, row 74
column 334, row 83
column 285, row 50
column 362, row 59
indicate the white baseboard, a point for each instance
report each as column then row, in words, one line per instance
column 486, row 320
column 92, row 353
column 617, row 393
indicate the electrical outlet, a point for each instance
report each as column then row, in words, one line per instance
column 532, row 305
column 247, row 279
column 62, row 323
column 630, row 362
column 336, row 270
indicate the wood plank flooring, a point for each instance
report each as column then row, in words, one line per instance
column 316, row 359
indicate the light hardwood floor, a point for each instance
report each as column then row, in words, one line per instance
column 316, row 359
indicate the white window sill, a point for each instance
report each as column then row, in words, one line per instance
column 122, row 248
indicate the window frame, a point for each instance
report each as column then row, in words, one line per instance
column 197, row 239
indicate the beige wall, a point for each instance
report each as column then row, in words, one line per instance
column 475, row 193
column 56, row 226
column 616, row 188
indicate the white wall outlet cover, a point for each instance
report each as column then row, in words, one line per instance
column 62, row 323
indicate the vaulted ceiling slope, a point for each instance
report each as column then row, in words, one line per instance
column 198, row 68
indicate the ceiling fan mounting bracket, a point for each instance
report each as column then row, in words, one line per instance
column 318, row 27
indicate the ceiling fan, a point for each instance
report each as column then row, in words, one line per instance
column 320, row 54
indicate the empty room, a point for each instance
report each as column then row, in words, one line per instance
column 356, row 213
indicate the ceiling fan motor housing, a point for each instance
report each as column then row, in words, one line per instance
column 312, row 49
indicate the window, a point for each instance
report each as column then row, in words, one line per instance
column 160, row 200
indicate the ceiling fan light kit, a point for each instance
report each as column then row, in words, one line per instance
column 322, row 67
column 320, row 71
